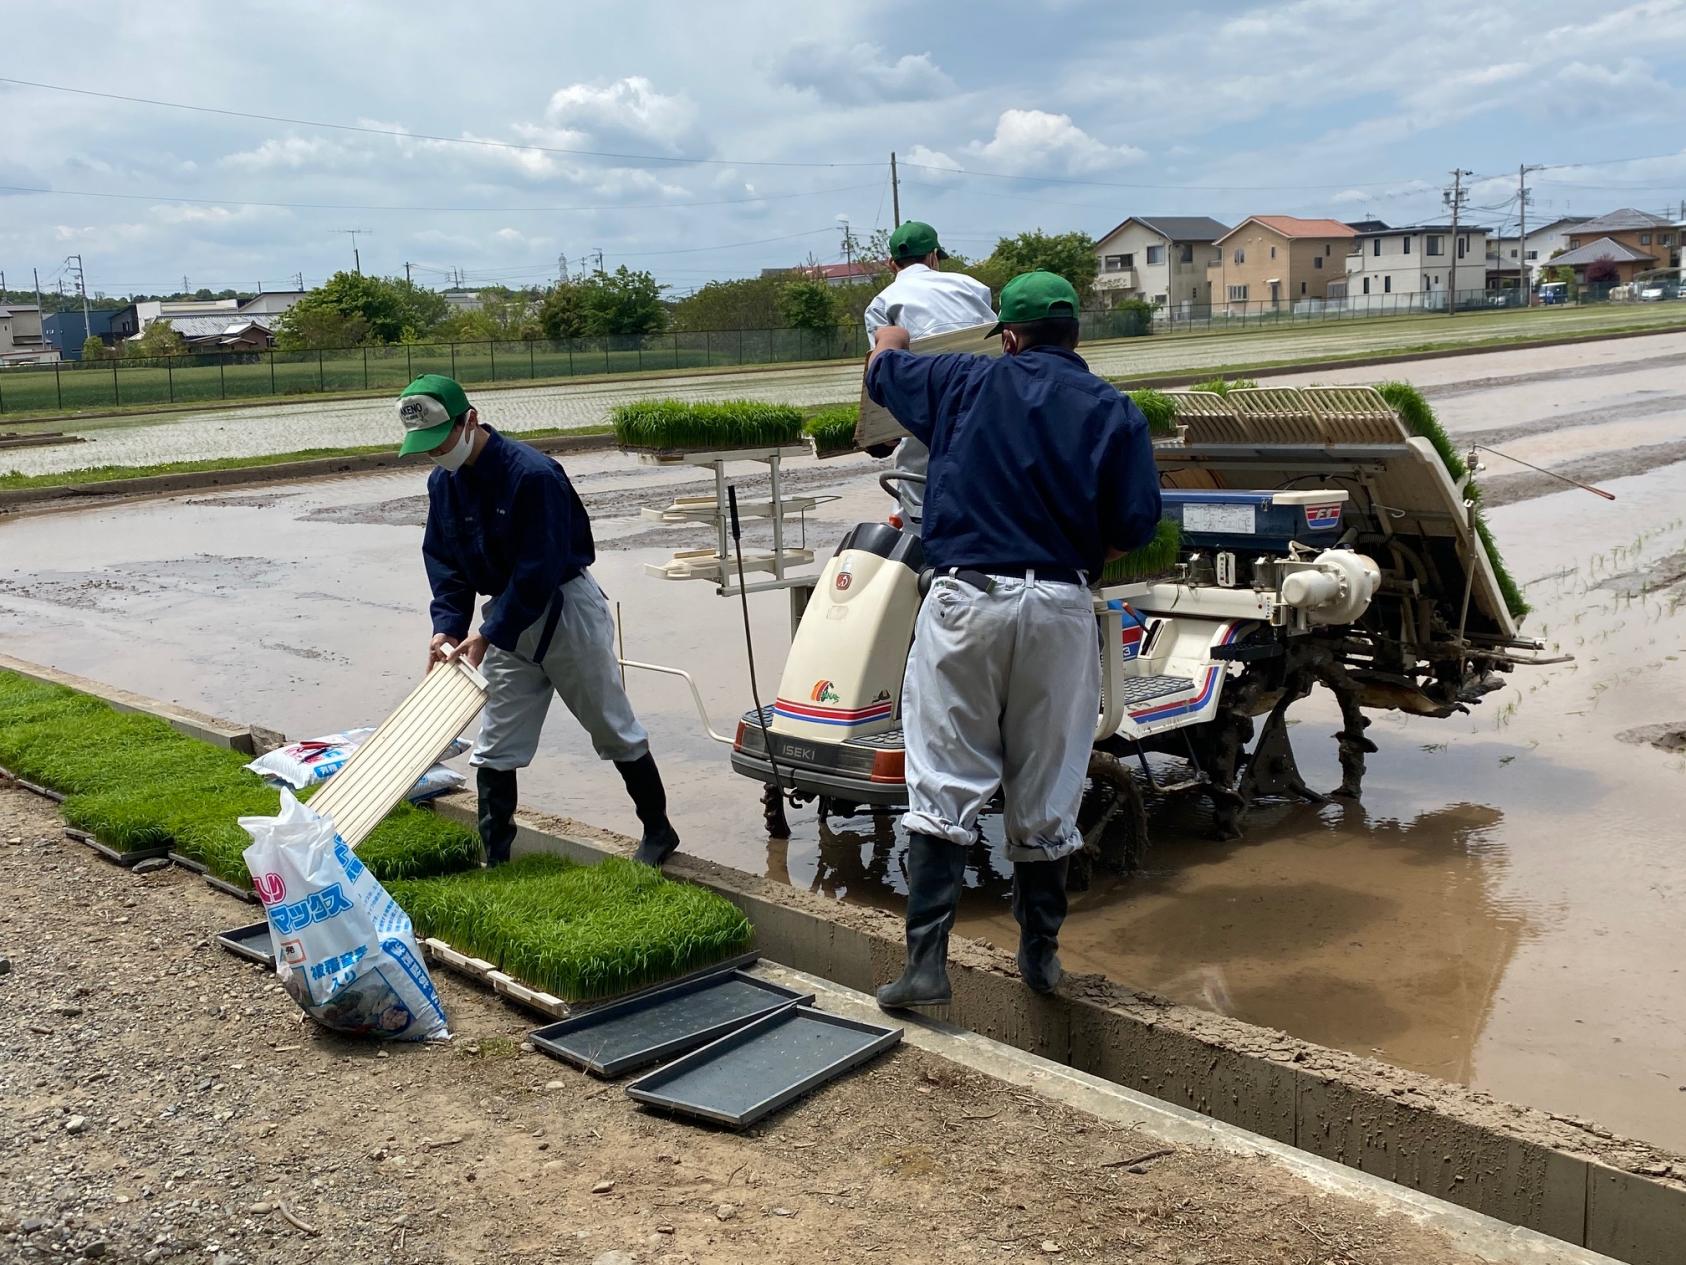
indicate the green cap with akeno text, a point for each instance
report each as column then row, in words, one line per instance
column 428, row 408
column 914, row 240
column 1033, row 296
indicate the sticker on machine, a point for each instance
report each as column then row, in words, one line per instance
column 1229, row 519
column 1323, row 517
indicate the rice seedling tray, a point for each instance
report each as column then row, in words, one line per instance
column 188, row 863
column 715, row 452
column 230, row 889
column 663, row 1023
column 34, row 787
column 501, row 982
column 110, row 853
column 752, row 1072
column 251, row 942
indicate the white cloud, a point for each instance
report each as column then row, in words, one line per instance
column 860, row 74
column 288, row 153
column 629, row 111
column 1037, row 142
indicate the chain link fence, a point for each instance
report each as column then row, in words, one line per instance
column 138, row 381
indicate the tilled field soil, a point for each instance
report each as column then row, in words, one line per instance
column 161, row 1101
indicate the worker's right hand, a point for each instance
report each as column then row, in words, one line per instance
column 438, row 650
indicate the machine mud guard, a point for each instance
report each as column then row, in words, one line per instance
column 831, row 782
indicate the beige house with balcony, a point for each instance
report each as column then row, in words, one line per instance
column 1269, row 263
column 1160, row 258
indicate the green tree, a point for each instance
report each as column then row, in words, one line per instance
column 562, row 312
column 158, row 339
column 622, row 302
column 501, row 317
column 319, row 327
column 1071, row 255
column 807, row 303
column 93, row 348
column 389, row 310
column 749, row 303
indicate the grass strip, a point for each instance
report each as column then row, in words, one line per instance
column 1154, row 558
column 833, row 429
column 580, row 932
column 676, row 425
column 134, row 782
column 14, row 480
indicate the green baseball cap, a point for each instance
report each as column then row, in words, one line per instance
column 915, row 240
column 428, row 408
column 1031, row 296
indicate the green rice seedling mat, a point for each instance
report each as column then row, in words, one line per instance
column 661, row 426
column 577, row 932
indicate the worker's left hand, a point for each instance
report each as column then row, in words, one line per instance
column 473, row 650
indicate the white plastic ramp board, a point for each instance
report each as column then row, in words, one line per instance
column 407, row 744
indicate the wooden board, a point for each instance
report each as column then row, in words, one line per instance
column 876, row 425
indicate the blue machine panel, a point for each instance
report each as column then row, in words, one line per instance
column 1263, row 522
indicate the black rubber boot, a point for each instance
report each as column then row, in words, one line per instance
column 497, row 812
column 936, row 873
column 644, row 784
column 1039, row 905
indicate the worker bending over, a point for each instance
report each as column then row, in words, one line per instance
column 1039, row 472
column 503, row 520
column 923, row 301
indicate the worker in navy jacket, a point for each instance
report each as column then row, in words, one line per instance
column 503, row 521
column 1039, row 472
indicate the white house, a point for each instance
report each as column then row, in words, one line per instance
column 21, row 339
column 271, row 302
column 1415, row 260
column 1160, row 258
column 1505, row 253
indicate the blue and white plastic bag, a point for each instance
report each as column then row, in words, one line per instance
column 344, row 950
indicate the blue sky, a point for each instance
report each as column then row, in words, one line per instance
column 1080, row 114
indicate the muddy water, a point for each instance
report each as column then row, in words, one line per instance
column 1502, row 909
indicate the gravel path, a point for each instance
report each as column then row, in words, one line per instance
column 161, row 1101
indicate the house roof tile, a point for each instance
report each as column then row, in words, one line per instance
column 1603, row 248
column 1294, row 226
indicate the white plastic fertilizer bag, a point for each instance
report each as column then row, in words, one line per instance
column 343, row 948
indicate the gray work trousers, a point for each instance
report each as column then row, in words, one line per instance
column 580, row 664
column 1002, row 690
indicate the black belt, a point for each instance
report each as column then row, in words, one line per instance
column 983, row 580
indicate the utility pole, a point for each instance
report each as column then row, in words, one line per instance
column 599, row 259
column 298, row 277
column 356, row 259
column 1455, row 198
column 895, row 191
column 37, row 273
column 406, row 272
column 82, row 285
column 185, row 290
column 1524, row 276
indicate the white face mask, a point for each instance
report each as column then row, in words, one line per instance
column 452, row 458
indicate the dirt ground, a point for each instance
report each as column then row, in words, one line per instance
column 160, row 1100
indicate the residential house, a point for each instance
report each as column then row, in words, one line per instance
column 1414, row 260
column 1273, row 262
column 131, row 321
column 1505, row 255
column 1632, row 241
column 21, row 338
column 67, row 332
column 1160, row 258
column 236, row 332
column 271, row 302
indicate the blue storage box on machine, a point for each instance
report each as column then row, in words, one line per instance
column 1265, row 522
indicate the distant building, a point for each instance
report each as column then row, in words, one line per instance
column 236, row 332
column 1633, row 241
column 1415, row 260
column 1161, row 258
column 131, row 321
column 1272, row 262
column 1505, row 254
column 66, row 332
column 271, row 302
column 22, row 341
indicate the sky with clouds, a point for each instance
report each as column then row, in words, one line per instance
column 703, row 140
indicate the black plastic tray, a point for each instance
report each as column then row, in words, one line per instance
column 759, row 1068
column 657, row 1025
column 112, row 854
column 251, row 942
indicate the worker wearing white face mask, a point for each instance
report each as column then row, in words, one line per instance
column 504, row 521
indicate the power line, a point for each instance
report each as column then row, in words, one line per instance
column 423, row 136
column 494, row 210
